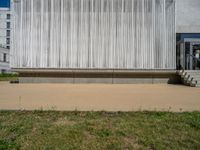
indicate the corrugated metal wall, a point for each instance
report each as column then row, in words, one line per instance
column 121, row 34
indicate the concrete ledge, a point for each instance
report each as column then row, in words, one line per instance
column 98, row 80
column 93, row 80
column 60, row 70
column 44, row 80
column 108, row 76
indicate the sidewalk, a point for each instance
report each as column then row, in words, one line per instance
column 98, row 97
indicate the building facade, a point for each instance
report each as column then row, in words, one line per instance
column 188, row 34
column 5, row 39
column 94, row 34
column 110, row 36
column 5, row 27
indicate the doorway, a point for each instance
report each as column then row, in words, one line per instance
column 188, row 54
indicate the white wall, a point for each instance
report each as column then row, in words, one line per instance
column 3, row 14
column 2, row 42
column 120, row 34
column 3, row 25
column 2, row 33
column 188, row 16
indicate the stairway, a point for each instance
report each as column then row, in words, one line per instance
column 190, row 77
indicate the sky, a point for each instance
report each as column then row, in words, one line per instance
column 5, row 3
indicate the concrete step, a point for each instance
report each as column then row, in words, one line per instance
column 194, row 76
column 187, row 82
column 193, row 72
column 190, row 77
column 193, row 79
column 184, row 75
column 198, row 81
column 180, row 72
column 194, row 82
column 198, row 84
column 189, row 71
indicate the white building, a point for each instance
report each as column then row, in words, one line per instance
column 5, row 27
column 5, row 33
column 4, row 60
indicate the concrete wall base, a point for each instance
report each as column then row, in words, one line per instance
column 98, row 80
column 99, row 76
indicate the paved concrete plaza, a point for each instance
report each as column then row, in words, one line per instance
column 98, row 97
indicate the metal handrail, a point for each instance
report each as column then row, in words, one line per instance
column 194, row 57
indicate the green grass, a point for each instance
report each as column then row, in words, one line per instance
column 8, row 77
column 47, row 130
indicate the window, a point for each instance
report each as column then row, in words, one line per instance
column 4, row 57
column 8, row 47
column 3, row 71
column 7, row 40
column 8, row 16
column 8, row 33
column 8, row 25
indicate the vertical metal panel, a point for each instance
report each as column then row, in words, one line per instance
column 121, row 34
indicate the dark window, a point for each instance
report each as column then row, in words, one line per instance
column 4, row 57
column 8, row 47
column 8, row 25
column 3, row 71
column 8, row 33
column 7, row 40
column 8, row 16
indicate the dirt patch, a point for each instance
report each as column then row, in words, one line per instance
column 99, row 97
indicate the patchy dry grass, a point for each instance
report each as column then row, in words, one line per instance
column 8, row 77
column 99, row 130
